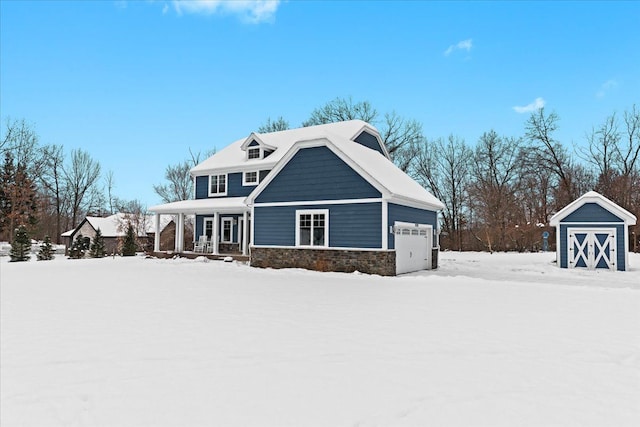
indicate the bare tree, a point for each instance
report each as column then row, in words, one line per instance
column 180, row 183
column 342, row 109
column 549, row 152
column 274, row 126
column 81, row 177
column 443, row 168
column 21, row 140
column 496, row 176
column 52, row 181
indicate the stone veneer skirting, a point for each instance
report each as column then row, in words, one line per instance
column 347, row 261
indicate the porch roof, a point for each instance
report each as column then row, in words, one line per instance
column 203, row 206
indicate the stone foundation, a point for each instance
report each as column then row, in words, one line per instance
column 346, row 261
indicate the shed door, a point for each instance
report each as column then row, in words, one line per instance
column 592, row 248
column 413, row 247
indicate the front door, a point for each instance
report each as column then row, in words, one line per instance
column 592, row 248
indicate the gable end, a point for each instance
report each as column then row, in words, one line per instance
column 591, row 212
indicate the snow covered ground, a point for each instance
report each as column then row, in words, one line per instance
column 486, row 340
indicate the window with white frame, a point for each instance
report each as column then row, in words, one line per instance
column 227, row 230
column 253, row 153
column 218, row 185
column 312, row 227
column 250, row 178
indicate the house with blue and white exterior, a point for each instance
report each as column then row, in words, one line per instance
column 324, row 197
column 592, row 232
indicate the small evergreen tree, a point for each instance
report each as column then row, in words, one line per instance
column 21, row 245
column 129, row 246
column 46, row 250
column 97, row 246
column 79, row 247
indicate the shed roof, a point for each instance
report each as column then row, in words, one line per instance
column 593, row 197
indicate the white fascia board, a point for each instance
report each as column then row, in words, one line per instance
column 405, row 201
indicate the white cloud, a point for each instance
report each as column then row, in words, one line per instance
column 537, row 104
column 251, row 11
column 606, row 88
column 462, row 45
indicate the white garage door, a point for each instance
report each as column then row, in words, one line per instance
column 413, row 247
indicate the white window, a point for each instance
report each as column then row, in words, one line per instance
column 218, row 185
column 227, row 230
column 312, row 227
column 250, row 178
column 253, row 153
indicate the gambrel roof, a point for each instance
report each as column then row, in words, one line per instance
column 233, row 157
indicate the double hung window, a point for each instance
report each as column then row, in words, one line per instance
column 218, row 185
column 253, row 153
column 312, row 227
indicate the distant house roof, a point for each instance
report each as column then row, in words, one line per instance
column 599, row 199
column 115, row 225
column 233, row 157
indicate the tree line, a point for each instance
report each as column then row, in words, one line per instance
column 499, row 191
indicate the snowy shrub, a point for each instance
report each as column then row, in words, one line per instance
column 46, row 250
column 21, row 245
column 79, row 247
column 97, row 246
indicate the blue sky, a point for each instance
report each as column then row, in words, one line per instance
column 139, row 83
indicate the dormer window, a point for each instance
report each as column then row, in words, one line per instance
column 253, row 153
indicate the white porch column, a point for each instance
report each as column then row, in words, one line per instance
column 245, row 232
column 176, row 248
column 156, row 239
column 181, row 226
column 216, row 228
column 385, row 225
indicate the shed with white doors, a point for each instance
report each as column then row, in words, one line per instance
column 592, row 233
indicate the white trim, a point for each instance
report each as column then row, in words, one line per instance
column 255, row 147
column 228, row 219
column 335, row 248
column 246, row 183
column 216, row 230
column 226, row 185
column 587, row 223
column 318, row 202
column 156, row 238
column 252, row 231
column 313, row 213
column 385, row 225
column 374, row 133
column 590, row 255
column 256, row 137
column 593, row 197
column 245, row 232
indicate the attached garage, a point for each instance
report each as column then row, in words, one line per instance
column 413, row 244
column 592, row 233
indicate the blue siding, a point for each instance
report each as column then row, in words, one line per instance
column 369, row 141
column 414, row 215
column 234, row 186
column 591, row 212
column 621, row 245
column 253, row 143
column 316, row 174
column 355, row 225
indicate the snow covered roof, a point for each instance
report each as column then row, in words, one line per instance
column 115, row 225
column 233, row 157
column 593, row 197
column 202, row 206
column 392, row 182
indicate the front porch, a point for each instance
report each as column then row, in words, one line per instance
column 222, row 228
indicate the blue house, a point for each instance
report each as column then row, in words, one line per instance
column 324, row 197
column 592, row 232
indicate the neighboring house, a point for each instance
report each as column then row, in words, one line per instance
column 592, row 232
column 114, row 228
column 324, row 197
